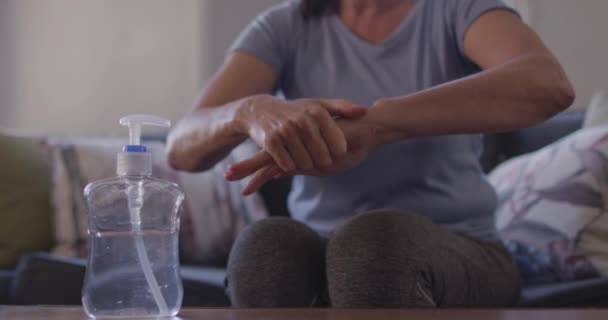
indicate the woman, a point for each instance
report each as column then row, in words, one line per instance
column 385, row 103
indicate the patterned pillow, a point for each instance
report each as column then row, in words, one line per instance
column 213, row 212
column 552, row 211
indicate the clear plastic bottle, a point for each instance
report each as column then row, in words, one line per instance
column 133, row 266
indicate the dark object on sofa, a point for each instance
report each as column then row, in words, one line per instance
column 44, row 279
column 583, row 293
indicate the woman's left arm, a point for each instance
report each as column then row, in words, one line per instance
column 521, row 84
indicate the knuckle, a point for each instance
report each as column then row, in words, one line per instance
column 304, row 162
column 308, row 132
column 298, row 123
column 320, row 160
column 316, row 111
column 293, row 123
column 272, row 140
column 309, row 123
column 325, row 158
column 307, row 166
column 285, row 131
column 289, row 128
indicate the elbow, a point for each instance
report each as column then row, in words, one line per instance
column 174, row 157
column 179, row 159
column 559, row 94
column 564, row 95
column 555, row 100
column 180, row 162
column 176, row 161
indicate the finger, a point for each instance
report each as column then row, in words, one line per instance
column 260, row 178
column 343, row 108
column 355, row 156
column 299, row 153
column 276, row 148
column 345, row 162
column 333, row 136
column 330, row 132
column 316, row 145
column 281, row 175
column 245, row 168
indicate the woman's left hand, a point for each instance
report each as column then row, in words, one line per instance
column 359, row 136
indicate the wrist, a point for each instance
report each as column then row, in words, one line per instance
column 386, row 130
column 245, row 112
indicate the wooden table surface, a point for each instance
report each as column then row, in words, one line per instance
column 68, row 313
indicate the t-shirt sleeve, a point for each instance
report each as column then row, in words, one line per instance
column 465, row 12
column 269, row 37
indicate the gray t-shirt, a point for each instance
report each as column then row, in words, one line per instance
column 439, row 177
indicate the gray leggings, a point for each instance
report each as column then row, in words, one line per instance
column 378, row 259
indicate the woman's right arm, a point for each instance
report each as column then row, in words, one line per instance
column 208, row 133
column 298, row 134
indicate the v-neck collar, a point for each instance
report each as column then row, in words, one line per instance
column 392, row 37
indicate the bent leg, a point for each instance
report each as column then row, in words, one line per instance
column 391, row 259
column 276, row 262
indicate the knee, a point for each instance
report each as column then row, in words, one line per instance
column 275, row 262
column 374, row 259
column 381, row 232
column 276, row 237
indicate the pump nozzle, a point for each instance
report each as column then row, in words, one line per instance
column 136, row 121
column 135, row 160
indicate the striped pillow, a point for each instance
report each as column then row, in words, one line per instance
column 213, row 212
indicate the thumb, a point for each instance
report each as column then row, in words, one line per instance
column 343, row 108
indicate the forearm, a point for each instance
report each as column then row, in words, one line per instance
column 517, row 94
column 206, row 136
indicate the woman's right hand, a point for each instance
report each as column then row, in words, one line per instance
column 299, row 134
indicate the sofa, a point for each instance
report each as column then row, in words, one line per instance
column 41, row 278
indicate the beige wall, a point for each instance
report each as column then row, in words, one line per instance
column 577, row 31
column 77, row 65
column 74, row 67
column 225, row 19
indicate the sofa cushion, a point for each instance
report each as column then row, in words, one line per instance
column 499, row 147
column 520, row 142
column 583, row 293
column 6, row 281
column 552, row 209
column 25, row 223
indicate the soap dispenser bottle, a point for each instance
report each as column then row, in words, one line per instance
column 133, row 265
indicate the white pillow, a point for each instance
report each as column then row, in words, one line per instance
column 553, row 203
column 597, row 112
